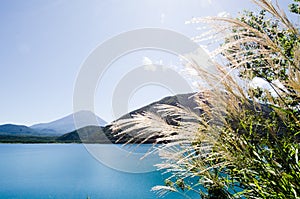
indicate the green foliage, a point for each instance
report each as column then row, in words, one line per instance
column 27, row 139
column 283, row 46
column 267, row 165
column 295, row 8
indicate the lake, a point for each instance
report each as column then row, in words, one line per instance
column 68, row 171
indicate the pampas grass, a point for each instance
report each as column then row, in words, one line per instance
column 241, row 145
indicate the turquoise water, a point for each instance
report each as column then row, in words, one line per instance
column 68, row 171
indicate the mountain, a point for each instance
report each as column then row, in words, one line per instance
column 96, row 134
column 13, row 129
column 67, row 124
column 94, row 131
column 185, row 100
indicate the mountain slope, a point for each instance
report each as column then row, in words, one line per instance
column 66, row 124
column 185, row 100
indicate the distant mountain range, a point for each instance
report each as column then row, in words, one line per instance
column 64, row 130
column 12, row 129
column 53, row 128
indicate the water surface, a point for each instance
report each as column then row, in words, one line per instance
column 68, row 171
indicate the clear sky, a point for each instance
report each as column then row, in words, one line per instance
column 45, row 42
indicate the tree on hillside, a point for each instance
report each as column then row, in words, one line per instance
column 245, row 144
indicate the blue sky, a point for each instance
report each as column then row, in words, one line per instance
column 45, row 42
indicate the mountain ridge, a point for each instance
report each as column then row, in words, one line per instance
column 56, row 127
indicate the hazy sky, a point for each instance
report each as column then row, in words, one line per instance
column 45, row 42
